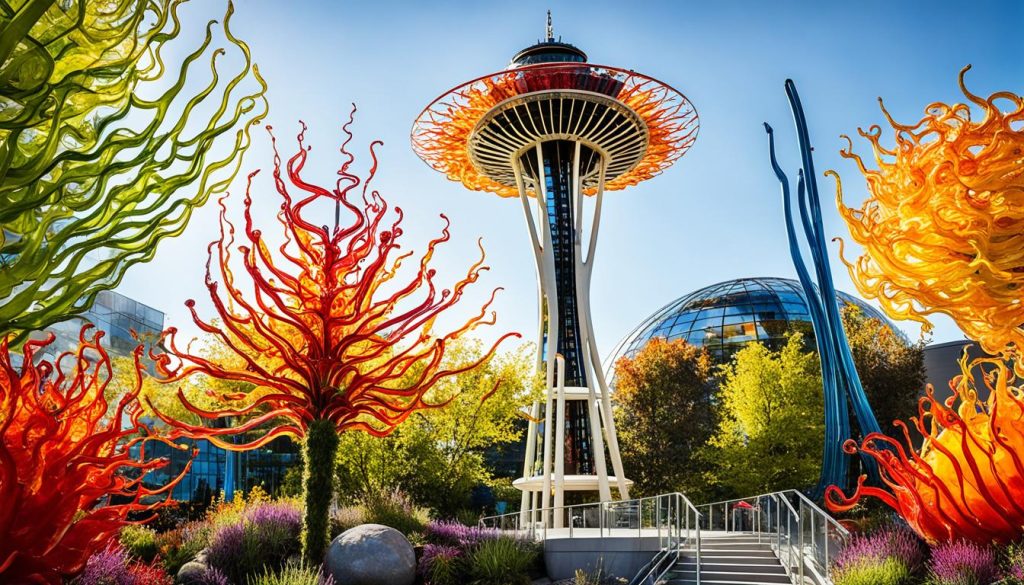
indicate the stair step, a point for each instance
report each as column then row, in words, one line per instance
column 773, row 569
column 705, row 554
column 731, row 561
column 712, row 576
column 707, row 581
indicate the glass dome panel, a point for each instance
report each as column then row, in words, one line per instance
column 726, row 316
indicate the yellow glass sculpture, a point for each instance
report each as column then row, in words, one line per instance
column 943, row 225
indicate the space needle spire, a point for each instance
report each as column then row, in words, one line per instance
column 553, row 130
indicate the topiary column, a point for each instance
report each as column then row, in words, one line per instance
column 318, row 454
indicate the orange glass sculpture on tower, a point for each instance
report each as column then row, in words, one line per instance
column 552, row 129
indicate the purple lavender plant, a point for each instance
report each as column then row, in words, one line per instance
column 896, row 542
column 212, row 576
column 226, row 544
column 265, row 537
column 441, row 565
column 431, row 552
column 110, row 566
column 456, row 534
column 282, row 516
column 963, row 563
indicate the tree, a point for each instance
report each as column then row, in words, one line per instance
column 664, row 410
column 328, row 325
column 772, row 421
column 891, row 369
column 105, row 149
column 437, row 455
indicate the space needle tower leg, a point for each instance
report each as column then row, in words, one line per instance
column 584, row 271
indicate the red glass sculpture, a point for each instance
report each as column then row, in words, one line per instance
column 316, row 334
column 326, row 335
column 967, row 478
column 71, row 464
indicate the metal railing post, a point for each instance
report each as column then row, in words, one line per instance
column 657, row 518
column 698, row 554
column 801, row 529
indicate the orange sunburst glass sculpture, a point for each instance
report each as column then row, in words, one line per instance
column 71, row 465
column 967, row 480
column 942, row 233
column 943, row 225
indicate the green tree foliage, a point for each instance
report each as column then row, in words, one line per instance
column 772, row 425
column 436, row 456
column 105, row 148
column 664, row 414
column 891, row 370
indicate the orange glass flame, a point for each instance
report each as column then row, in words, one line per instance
column 943, row 226
column 441, row 133
column 313, row 329
column 966, row 482
column 68, row 479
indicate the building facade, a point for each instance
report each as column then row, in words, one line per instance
column 125, row 323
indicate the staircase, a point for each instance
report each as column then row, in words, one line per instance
column 730, row 558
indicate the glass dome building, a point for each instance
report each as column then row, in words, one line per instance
column 726, row 316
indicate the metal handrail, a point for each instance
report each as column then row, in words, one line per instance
column 792, row 510
column 787, row 532
column 828, row 517
column 671, row 520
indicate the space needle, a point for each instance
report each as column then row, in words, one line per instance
column 553, row 130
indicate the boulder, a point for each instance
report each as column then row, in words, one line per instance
column 190, row 573
column 371, row 554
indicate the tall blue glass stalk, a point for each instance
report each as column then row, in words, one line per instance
column 841, row 384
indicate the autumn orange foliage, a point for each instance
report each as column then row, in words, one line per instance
column 71, row 465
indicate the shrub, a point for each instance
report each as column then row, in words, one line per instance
column 394, row 509
column 441, row 564
column 345, row 518
column 107, row 567
column 889, row 571
column 114, row 566
column 596, row 577
column 962, row 563
column 503, row 561
column 292, row 574
column 890, row 556
column 139, row 542
column 150, row 574
column 182, row 544
column 265, row 537
column 1014, row 574
column 212, row 576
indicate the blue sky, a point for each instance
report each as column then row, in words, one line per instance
column 715, row 215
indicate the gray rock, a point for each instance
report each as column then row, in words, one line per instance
column 191, row 572
column 372, row 554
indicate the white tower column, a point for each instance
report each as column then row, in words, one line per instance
column 593, row 403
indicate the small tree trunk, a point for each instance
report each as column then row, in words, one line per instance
column 318, row 453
